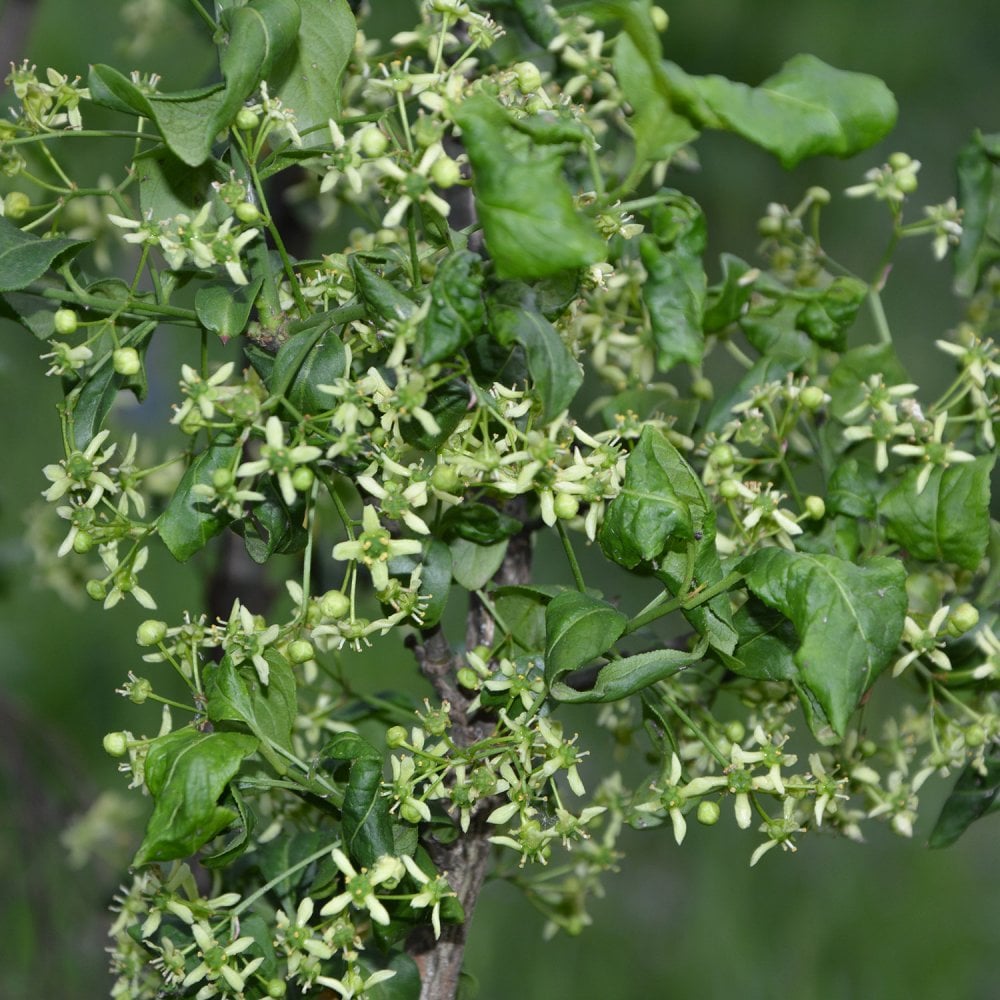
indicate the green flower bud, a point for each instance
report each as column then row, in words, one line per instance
column 900, row 161
column 126, row 361
column 246, row 119
column 410, row 813
column 373, row 141
column 729, row 489
column 566, row 506
column 468, row 678
column 247, row 212
column 303, row 478
column 139, row 690
column 769, row 226
column 65, row 321
column 975, row 736
column 963, row 618
column 708, row 812
column 116, row 744
column 529, row 77
column 445, row 172
column 812, row 397
column 735, row 731
column 276, row 988
column 222, row 479
column 335, row 604
column 395, row 736
column 907, row 183
column 702, row 388
column 300, row 651
column 96, row 590
column 151, row 632
column 818, row 195
column 660, row 18
column 723, row 456
column 815, row 507
column 444, row 477
column 83, row 542
column 16, row 205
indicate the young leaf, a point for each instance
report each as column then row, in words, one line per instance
column 724, row 302
column 24, row 257
column 242, row 841
column 675, row 286
column 661, row 501
column 88, row 404
column 456, row 312
column 974, row 795
column 435, row 580
column 384, row 300
column 479, row 523
column 169, row 187
column 530, row 221
column 849, row 619
column 555, row 373
column 767, row 643
column 223, row 311
column 472, row 565
column 186, row 773
column 188, row 521
column 949, row 521
column 806, row 109
column 270, row 525
column 979, row 200
column 578, row 628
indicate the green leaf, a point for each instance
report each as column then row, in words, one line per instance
column 578, row 628
column 312, row 356
column 724, row 302
column 764, row 370
column 435, row 577
column 851, row 490
column 472, row 565
column 88, row 405
column 186, row 773
column 479, row 523
column 974, row 795
column 169, row 187
column 188, row 521
column 675, row 285
column 385, row 302
column 259, row 34
column 24, row 257
column 235, row 694
column 270, row 525
column 307, row 79
column 979, row 200
column 950, row 520
column 29, row 311
column 522, row 609
column 555, row 373
column 806, row 109
column 456, row 312
column 404, row 985
column 849, row 619
column 447, row 404
column 830, row 312
column 530, row 221
column 365, row 816
column 661, row 501
column 771, row 325
column 241, row 841
column 767, row 643
column 224, row 311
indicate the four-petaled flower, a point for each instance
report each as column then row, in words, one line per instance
column 277, row 459
column 375, row 546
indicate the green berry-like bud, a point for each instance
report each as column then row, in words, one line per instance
column 246, row 119
column 126, row 361
column 83, row 542
column 529, row 77
column 139, row 690
column 702, row 388
column 769, row 226
column 723, row 456
column 815, row 507
column 868, row 748
column 907, row 183
column 303, row 478
column 445, row 172
column 708, row 812
column 818, row 195
column 16, row 205
column 468, row 678
column 151, row 632
column 963, row 618
column 566, row 506
column 96, row 590
column 300, row 651
column 395, row 737
column 276, row 988
column 247, row 211
column 116, row 744
column 735, row 731
column 975, row 736
column 660, row 19
column 222, row 479
column 373, row 141
column 335, row 604
column 65, row 321
column 409, row 813
column 900, row 161
column 729, row 489
column 812, row 397
column 444, row 477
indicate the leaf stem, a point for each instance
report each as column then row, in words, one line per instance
column 571, row 556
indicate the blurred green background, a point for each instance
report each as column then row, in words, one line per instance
column 885, row 920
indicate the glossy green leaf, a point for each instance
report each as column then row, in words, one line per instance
column 479, row 523
column 224, row 310
column 188, row 521
column 661, row 501
column 950, row 520
column 456, row 312
column 725, row 302
column 29, row 311
column 522, row 609
column 851, row 490
column 578, row 628
column 979, row 199
column 675, row 285
column 472, row 565
column 385, row 302
column 772, row 326
column 235, row 694
column 555, row 373
column 187, row 772
column 828, row 313
column 849, row 619
column 404, row 985
column 435, row 577
column 531, row 224
column 24, row 257
column 169, row 186
column 767, row 643
column 312, row 356
column 989, row 592
column 242, row 841
column 806, row 109
column 974, row 795
column 447, row 404
column 308, row 77
column 89, row 404
column 270, row 525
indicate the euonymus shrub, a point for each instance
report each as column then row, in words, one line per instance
column 502, row 330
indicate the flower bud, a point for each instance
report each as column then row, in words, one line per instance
column 139, row 689
column 83, row 542
column 334, row 604
column 151, row 632
column 303, row 478
column 735, row 731
column 975, row 736
column 300, row 651
column 444, row 477
column 16, row 205
column 96, row 590
column 445, row 172
column 126, row 361
column 729, row 489
column 247, row 211
column 410, row 813
column 900, row 161
column 468, row 678
column 566, row 506
column 373, row 141
column 529, row 77
column 116, row 744
column 65, row 321
column 708, row 812
column 815, row 507
column 276, row 988
column 395, row 736
column 702, row 388
column 246, row 119
column 812, row 397
column 963, row 618
column 222, row 479
column 660, row 18
column 723, row 456
column 818, row 195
